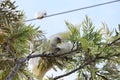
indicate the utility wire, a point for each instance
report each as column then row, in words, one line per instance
column 87, row 7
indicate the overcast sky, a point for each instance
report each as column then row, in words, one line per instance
column 109, row 14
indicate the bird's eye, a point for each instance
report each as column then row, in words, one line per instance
column 57, row 49
column 59, row 40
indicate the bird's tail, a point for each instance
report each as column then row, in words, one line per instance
column 42, row 68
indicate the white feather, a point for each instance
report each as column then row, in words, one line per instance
column 65, row 47
column 33, row 62
column 40, row 14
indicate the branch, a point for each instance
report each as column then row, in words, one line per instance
column 83, row 65
column 15, row 69
column 8, row 44
column 50, row 54
column 102, row 76
column 22, row 60
column 110, row 44
column 80, row 67
column 115, row 41
column 17, row 66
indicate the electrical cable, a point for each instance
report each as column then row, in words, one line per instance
column 87, row 7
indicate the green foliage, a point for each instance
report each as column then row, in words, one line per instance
column 15, row 38
column 101, row 46
column 94, row 44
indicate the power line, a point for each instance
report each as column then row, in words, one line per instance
column 87, row 7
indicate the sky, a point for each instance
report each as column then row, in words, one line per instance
column 110, row 14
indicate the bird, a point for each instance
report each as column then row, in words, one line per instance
column 40, row 14
column 39, row 66
column 55, row 44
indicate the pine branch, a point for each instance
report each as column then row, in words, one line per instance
column 8, row 44
column 102, row 76
column 80, row 67
column 114, row 42
column 84, row 65
column 22, row 60
column 14, row 71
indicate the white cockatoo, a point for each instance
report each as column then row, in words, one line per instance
column 40, row 14
column 56, row 45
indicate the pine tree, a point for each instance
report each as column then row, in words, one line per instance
column 94, row 55
column 14, row 40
